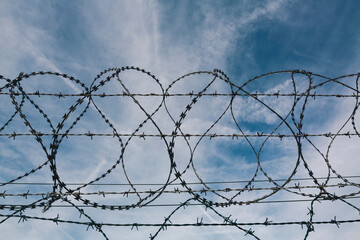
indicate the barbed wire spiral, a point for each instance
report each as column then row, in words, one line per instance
column 305, row 87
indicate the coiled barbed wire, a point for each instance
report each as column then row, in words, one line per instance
column 208, row 196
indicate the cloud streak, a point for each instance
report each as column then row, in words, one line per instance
column 169, row 41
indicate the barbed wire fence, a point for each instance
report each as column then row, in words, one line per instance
column 210, row 195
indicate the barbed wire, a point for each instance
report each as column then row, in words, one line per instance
column 176, row 190
column 190, row 94
column 289, row 126
column 188, row 183
column 214, row 135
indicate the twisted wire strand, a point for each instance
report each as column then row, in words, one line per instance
column 293, row 121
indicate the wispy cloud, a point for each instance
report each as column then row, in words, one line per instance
column 168, row 41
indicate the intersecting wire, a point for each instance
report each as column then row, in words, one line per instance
column 293, row 121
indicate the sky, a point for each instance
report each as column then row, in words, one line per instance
column 170, row 39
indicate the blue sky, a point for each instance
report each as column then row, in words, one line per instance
column 171, row 38
column 247, row 38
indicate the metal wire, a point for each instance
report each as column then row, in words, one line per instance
column 293, row 122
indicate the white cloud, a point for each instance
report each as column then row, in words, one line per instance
column 130, row 34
